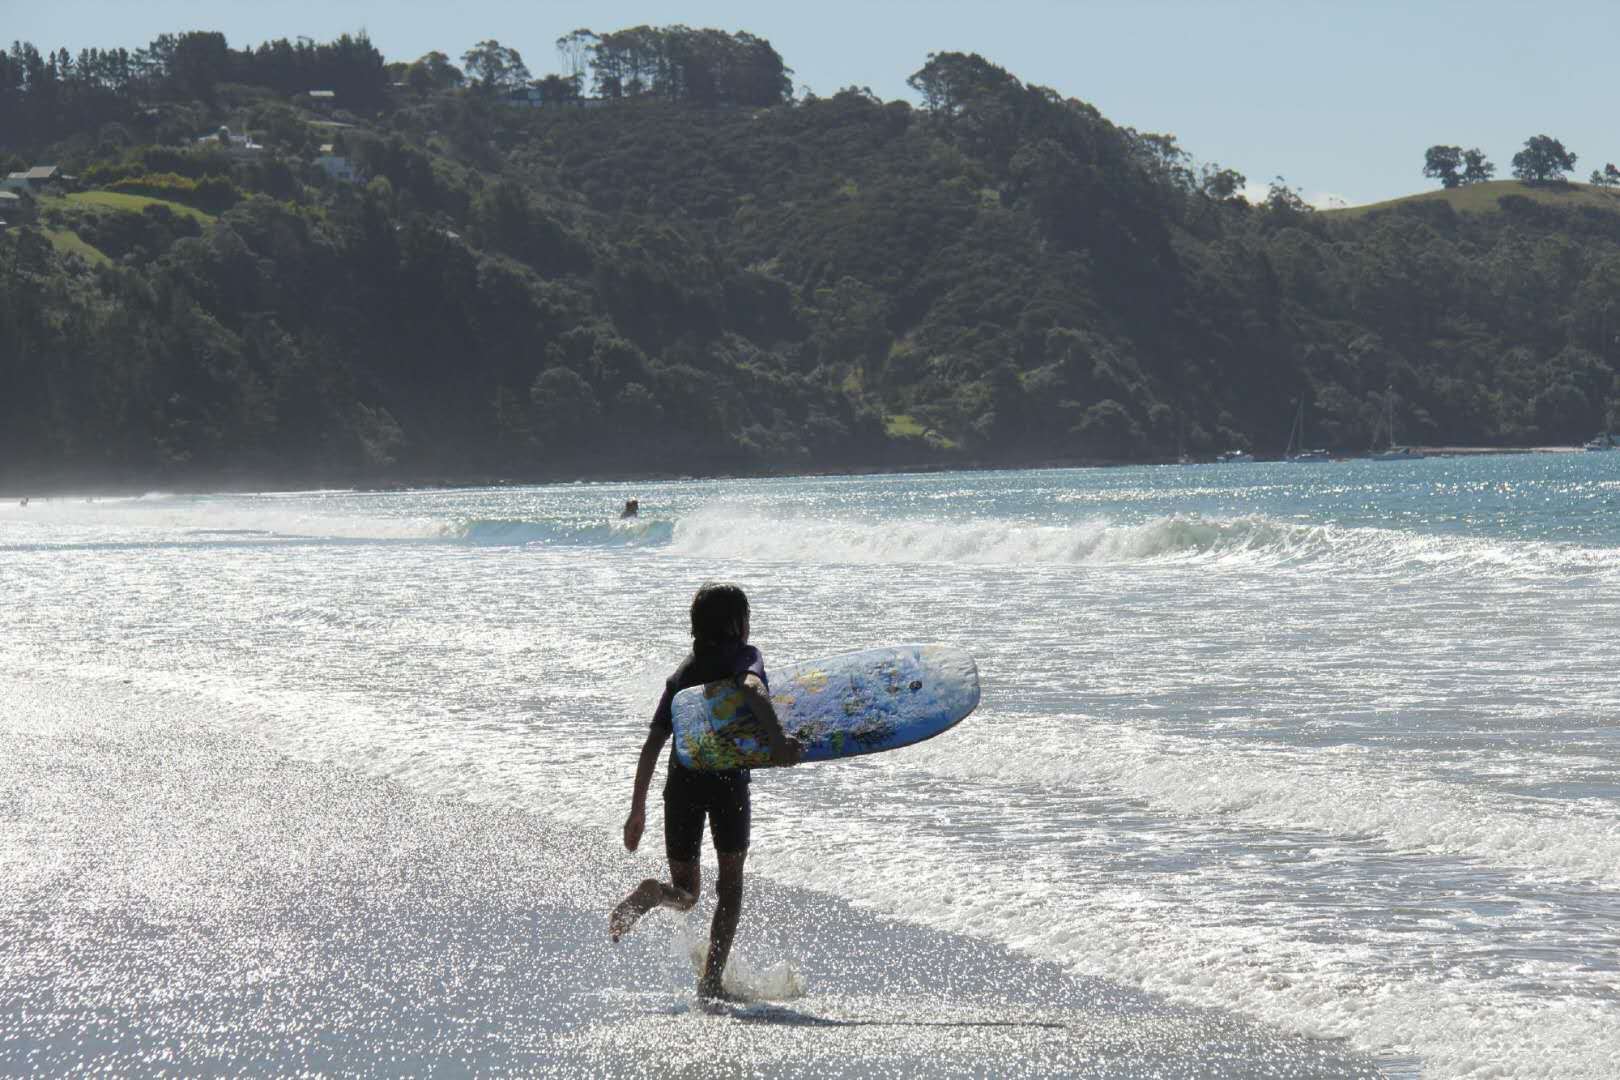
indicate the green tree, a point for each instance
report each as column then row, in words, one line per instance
column 574, row 49
column 495, row 67
column 559, row 88
column 566, row 413
column 1284, row 199
column 1606, row 177
column 285, row 130
column 433, row 71
column 951, row 82
column 198, row 62
column 1165, row 161
column 1220, row 184
column 1476, row 168
column 1444, row 163
column 1542, row 160
column 378, row 435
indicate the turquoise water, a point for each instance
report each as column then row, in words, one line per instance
column 1335, row 747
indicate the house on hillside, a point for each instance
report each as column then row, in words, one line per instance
column 323, row 100
column 336, row 165
column 33, row 180
column 17, row 207
column 234, row 145
column 523, row 97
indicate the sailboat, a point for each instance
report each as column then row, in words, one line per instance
column 1296, row 441
column 1393, row 452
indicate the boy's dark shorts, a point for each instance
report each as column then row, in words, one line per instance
column 691, row 796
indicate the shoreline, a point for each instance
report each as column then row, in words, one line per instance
column 235, row 484
column 254, row 913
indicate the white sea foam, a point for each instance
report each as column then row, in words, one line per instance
column 735, row 532
column 743, row 978
column 1173, row 937
column 178, row 518
column 1340, row 792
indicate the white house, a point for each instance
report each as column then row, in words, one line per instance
column 31, row 179
column 234, row 145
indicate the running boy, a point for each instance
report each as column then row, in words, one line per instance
column 720, row 650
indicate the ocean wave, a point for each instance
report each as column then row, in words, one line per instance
column 477, row 532
column 517, row 532
column 727, row 531
column 183, row 519
column 1250, row 539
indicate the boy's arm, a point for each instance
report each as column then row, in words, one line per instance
column 637, row 821
column 785, row 750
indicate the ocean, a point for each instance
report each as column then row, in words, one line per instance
column 1316, row 764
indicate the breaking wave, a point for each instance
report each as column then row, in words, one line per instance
column 1257, row 540
column 644, row 533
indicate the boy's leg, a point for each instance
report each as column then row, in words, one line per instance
column 728, row 891
column 680, row 894
column 730, row 822
column 683, row 842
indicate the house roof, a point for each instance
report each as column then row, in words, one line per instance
column 323, row 93
column 10, row 197
column 40, row 172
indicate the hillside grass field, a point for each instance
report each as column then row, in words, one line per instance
column 69, row 242
column 1483, row 198
column 119, row 201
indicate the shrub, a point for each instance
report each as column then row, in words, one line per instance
column 212, row 193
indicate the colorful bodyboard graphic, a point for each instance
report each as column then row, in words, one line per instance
column 854, row 703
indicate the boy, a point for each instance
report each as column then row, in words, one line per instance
column 720, row 650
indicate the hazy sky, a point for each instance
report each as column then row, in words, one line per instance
column 1340, row 99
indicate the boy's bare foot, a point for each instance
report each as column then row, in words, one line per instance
column 641, row 900
column 712, row 993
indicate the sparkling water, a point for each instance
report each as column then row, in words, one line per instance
column 1331, row 747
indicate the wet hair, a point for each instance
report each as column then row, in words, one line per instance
column 719, row 615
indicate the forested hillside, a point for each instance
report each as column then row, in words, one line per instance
column 664, row 262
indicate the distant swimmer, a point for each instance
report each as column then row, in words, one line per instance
column 631, row 509
column 24, row 501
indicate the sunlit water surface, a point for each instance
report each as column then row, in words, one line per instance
column 1335, row 747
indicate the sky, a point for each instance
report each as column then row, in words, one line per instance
column 1339, row 99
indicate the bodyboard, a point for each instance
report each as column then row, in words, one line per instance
column 842, row 706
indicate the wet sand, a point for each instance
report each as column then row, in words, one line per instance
column 183, row 899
